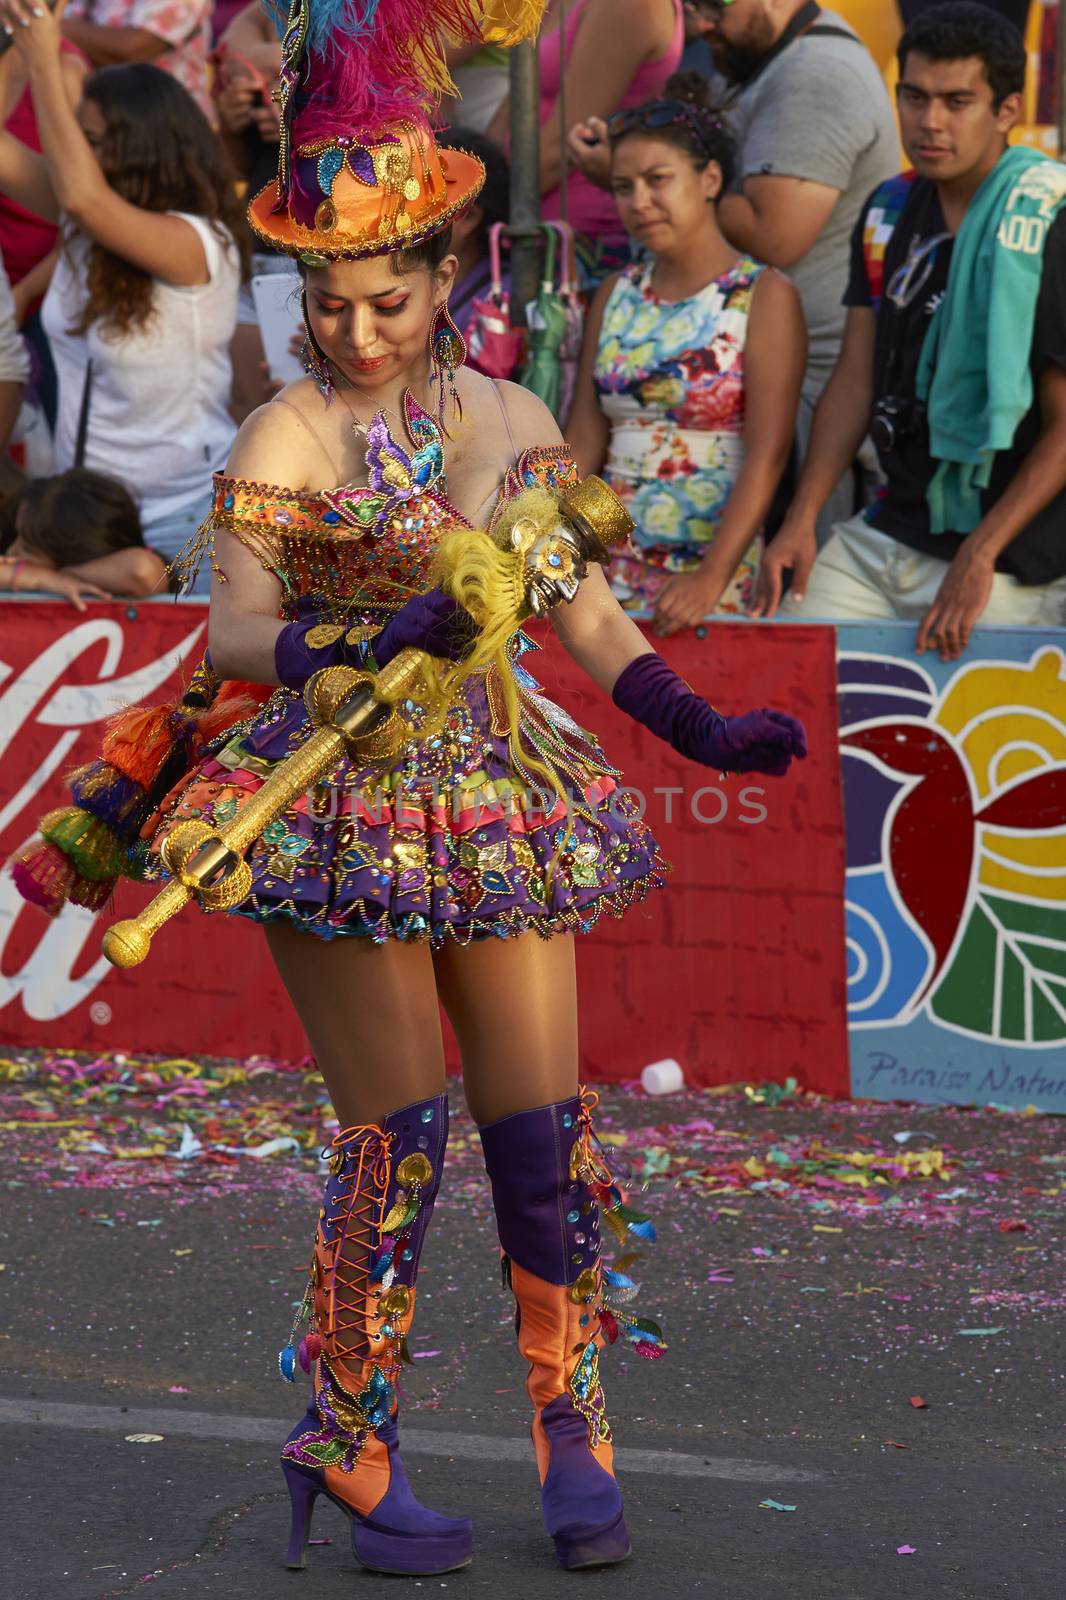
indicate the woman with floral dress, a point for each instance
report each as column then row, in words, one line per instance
column 690, row 374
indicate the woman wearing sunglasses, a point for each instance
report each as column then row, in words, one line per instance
column 690, row 374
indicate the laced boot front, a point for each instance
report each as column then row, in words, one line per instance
column 360, row 1304
column 549, row 1179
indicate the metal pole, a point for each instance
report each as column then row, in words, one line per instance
column 1060, row 76
column 525, row 179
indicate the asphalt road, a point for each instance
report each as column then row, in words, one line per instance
column 801, row 1323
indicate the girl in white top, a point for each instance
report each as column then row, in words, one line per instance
column 143, row 304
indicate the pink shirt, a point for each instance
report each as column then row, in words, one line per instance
column 591, row 209
column 184, row 25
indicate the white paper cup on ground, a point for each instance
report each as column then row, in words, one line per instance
column 662, row 1077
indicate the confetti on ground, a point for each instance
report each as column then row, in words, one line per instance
column 897, row 1228
column 774, row 1505
column 144, row 1438
column 906, row 1550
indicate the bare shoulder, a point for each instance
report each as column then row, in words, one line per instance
column 276, row 443
column 774, row 294
column 531, row 421
column 633, row 19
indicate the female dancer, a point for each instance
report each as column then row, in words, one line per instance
column 690, row 374
column 440, row 889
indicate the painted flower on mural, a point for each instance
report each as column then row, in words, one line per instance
column 956, row 805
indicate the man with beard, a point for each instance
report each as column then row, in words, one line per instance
column 815, row 134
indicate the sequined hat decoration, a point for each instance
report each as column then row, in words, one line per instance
column 359, row 171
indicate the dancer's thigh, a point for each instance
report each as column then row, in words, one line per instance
column 513, row 1005
column 370, row 1013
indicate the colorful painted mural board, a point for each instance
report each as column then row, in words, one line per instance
column 955, row 798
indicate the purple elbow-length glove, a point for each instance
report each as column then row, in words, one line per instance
column 433, row 622
column 759, row 741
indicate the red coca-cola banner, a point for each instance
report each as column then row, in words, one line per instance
column 736, row 969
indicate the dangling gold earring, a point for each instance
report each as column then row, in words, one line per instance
column 447, row 352
column 316, row 363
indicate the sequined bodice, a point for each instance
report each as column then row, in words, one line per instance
column 368, row 547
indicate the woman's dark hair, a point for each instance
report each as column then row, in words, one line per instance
column 160, row 153
column 495, row 197
column 700, row 132
column 77, row 516
column 960, row 30
column 429, row 254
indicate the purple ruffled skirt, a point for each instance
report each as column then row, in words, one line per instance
column 447, row 841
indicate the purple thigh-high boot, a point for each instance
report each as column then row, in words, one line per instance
column 382, row 1184
column 547, row 1182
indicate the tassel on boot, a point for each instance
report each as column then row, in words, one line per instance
column 382, row 1185
column 548, row 1180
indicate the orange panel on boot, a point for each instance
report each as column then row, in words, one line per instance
column 552, row 1340
column 366, row 1487
column 368, row 1484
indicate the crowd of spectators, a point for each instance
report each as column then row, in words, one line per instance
column 779, row 370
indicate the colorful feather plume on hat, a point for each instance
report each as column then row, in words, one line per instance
column 366, row 64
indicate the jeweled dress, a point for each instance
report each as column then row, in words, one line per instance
column 452, row 838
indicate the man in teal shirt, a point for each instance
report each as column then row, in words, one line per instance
column 955, row 356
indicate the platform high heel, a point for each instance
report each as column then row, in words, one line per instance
column 549, row 1180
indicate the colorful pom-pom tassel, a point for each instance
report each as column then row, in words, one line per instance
column 111, row 797
column 43, row 876
column 138, row 740
column 92, row 847
column 93, row 896
column 232, row 704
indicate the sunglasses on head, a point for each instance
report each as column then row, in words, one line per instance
column 663, row 114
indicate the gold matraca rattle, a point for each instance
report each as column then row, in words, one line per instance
column 545, row 546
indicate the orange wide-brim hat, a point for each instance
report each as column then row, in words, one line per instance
column 365, row 195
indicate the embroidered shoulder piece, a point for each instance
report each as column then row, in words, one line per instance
column 550, row 466
column 260, row 515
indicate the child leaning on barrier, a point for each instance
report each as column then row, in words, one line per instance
column 78, row 535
